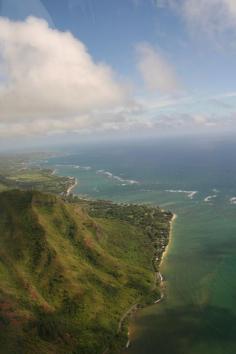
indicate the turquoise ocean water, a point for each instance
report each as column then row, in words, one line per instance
column 196, row 179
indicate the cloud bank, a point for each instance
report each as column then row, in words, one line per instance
column 48, row 80
column 157, row 73
column 50, row 84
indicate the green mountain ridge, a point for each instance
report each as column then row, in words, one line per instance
column 69, row 271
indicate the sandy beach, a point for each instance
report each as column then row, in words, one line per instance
column 69, row 190
column 158, row 274
column 170, row 237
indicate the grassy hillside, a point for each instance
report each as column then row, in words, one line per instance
column 69, row 271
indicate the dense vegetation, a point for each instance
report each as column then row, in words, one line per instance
column 153, row 221
column 69, row 271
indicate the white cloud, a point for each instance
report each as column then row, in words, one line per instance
column 157, row 73
column 48, row 80
column 211, row 16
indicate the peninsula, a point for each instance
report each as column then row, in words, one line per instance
column 71, row 269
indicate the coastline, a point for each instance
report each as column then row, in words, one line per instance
column 158, row 274
column 159, row 280
column 174, row 217
column 70, row 188
column 164, row 254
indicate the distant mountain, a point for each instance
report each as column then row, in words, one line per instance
column 66, row 277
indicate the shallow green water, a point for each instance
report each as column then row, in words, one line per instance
column 198, row 314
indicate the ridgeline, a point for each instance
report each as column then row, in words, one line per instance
column 69, row 271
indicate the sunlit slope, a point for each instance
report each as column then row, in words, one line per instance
column 66, row 278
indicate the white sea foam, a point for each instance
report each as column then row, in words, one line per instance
column 83, row 168
column 78, row 167
column 209, row 198
column 233, row 200
column 123, row 181
column 190, row 194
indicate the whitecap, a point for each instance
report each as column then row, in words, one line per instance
column 190, row 194
column 233, row 200
column 209, row 198
column 123, row 181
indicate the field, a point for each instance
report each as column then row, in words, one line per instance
column 18, row 171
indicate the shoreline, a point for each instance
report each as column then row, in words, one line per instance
column 70, row 188
column 164, row 254
column 174, row 217
column 158, row 274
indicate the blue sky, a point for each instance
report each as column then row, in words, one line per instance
column 175, row 58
